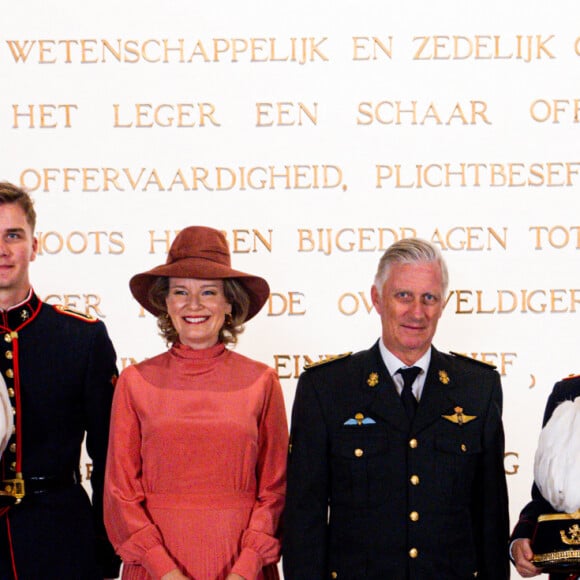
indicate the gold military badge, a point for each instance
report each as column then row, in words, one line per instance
column 444, row 377
column 373, row 380
column 459, row 418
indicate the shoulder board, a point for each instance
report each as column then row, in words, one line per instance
column 326, row 360
column 74, row 313
column 473, row 360
column 572, row 376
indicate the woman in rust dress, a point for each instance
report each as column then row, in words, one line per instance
column 196, row 467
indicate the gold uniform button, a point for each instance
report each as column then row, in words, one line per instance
column 414, row 516
column 11, row 392
column 413, row 443
column 10, row 373
column 334, row 574
column 8, row 337
column 413, row 553
column 13, row 411
column 414, row 479
column 358, row 452
column 463, row 447
column 13, row 466
column 8, row 354
column 13, row 448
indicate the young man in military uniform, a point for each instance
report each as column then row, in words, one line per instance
column 396, row 459
column 59, row 368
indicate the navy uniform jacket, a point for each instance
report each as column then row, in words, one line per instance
column 565, row 390
column 59, row 369
column 426, row 501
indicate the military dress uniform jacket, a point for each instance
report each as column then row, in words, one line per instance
column 371, row 496
column 565, row 390
column 58, row 368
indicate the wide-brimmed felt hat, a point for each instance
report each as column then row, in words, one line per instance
column 203, row 253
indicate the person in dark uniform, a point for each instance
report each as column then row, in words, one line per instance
column 59, row 368
column 520, row 547
column 395, row 467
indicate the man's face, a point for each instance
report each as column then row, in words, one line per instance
column 410, row 305
column 18, row 248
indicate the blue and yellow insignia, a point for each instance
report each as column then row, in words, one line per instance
column 459, row 418
column 444, row 377
column 359, row 419
column 373, row 380
column 326, row 360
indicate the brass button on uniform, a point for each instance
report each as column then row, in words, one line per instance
column 8, row 337
column 414, row 516
column 10, row 373
column 13, row 448
column 358, row 452
column 334, row 574
column 13, row 411
column 414, row 479
column 413, row 443
column 463, row 447
column 8, row 354
column 13, row 466
column 413, row 553
column 11, row 392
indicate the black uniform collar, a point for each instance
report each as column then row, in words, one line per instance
column 22, row 313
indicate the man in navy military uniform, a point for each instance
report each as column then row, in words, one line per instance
column 59, row 368
column 396, row 459
column 521, row 551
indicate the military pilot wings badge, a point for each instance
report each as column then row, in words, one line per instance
column 459, row 418
column 359, row 419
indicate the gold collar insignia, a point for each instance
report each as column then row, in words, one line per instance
column 444, row 377
column 373, row 380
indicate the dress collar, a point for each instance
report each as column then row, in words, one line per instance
column 183, row 351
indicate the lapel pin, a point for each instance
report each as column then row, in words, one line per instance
column 444, row 377
column 373, row 380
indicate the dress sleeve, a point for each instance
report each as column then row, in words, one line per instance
column 131, row 530
column 261, row 539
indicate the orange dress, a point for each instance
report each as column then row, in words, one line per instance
column 196, row 470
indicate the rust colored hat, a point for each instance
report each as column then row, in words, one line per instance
column 199, row 252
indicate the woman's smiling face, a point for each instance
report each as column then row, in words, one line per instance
column 197, row 309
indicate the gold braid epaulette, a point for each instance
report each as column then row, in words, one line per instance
column 326, row 360
column 74, row 313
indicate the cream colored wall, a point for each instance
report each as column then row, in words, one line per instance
column 314, row 135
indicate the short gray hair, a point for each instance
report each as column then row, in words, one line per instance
column 410, row 251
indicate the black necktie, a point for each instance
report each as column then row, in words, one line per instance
column 409, row 401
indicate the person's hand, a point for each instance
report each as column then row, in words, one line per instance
column 174, row 575
column 234, row 577
column 522, row 555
